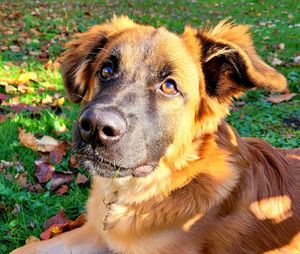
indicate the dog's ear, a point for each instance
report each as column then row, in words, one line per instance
column 229, row 61
column 82, row 51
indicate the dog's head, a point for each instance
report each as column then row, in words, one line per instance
column 148, row 94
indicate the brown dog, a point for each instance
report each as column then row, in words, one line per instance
column 170, row 175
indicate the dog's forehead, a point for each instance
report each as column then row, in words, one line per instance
column 153, row 49
column 148, row 44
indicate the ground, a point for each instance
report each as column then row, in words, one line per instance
column 32, row 37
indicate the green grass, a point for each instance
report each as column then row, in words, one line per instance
column 56, row 21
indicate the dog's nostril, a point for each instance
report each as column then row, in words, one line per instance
column 86, row 125
column 109, row 132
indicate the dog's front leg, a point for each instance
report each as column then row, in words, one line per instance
column 78, row 241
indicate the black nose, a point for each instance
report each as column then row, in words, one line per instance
column 107, row 126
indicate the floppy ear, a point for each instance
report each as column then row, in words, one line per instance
column 81, row 52
column 230, row 64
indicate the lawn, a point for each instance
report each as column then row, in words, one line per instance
column 32, row 36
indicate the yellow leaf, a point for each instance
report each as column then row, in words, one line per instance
column 26, row 77
column 10, row 89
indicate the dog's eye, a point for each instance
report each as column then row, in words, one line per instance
column 169, row 87
column 107, row 70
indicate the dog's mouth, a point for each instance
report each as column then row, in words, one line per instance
column 103, row 167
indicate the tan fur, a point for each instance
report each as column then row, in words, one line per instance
column 213, row 191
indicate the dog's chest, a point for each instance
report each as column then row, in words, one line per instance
column 126, row 231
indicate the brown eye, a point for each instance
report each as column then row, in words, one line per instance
column 107, row 71
column 169, row 87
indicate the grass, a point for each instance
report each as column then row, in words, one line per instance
column 40, row 29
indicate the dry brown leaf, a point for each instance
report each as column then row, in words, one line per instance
column 27, row 139
column 3, row 47
column 57, row 153
column 44, row 171
column 5, row 164
column 22, row 88
column 73, row 163
column 14, row 48
column 32, row 239
column 19, row 106
column 59, row 218
column 281, row 97
column 46, row 144
column 275, row 61
column 34, row 187
column 10, row 89
column 48, row 100
column 58, row 179
column 61, row 224
column 81, row 179
column 21, row 179
column 62, row 190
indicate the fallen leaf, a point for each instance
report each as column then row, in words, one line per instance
column 81, row 179
column 62, row 190
column 34, row 188
column 57, row 153
column 35, row 32
column 59, row 218
column 14, row 48
column 32, row 239
column 278, row 46
column 58, row 228
column 49, row 86
column 48, row 100
column 22, row 88
column 59, row 178
column 59, row 102
column 281, row 97
column 79, row 221
column 26, row 77
column 27, row 139
column 52, row 230
column 5, row 164
column 10, row 89
column 44, row 171
column 46, row 144
column 19, row 106
column 3, row 97
column 297, row 59
column 275, row 61
column 3, row 48
column 21, row 179
column 73, row 163
column 34, row 53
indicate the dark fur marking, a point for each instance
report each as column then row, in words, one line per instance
column 215, row 67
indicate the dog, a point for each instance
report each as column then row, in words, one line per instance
column 169, row 174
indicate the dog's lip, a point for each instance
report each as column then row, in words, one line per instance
column 141, row 170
